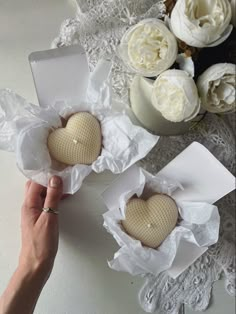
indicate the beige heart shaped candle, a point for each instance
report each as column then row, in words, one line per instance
column 79, row 142
column 151, row 221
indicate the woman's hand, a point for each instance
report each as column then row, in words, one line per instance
column 40, row 229
column 39, row 248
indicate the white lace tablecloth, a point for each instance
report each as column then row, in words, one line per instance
column 99, row 26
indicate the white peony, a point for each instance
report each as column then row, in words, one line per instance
column 233, row 7
column 175, row 95
column 217, row 88
column 202, row 23
column 148, row 47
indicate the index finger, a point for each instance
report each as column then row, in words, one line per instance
column 33, row 196
column 27, row 185
column 32, row 206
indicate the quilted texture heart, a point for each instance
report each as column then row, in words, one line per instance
column 79, row 142
column 150, row 221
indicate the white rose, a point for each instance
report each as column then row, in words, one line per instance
column 148, row 47
column 175, row 95
column 233, row 7
column 216, row 87
column 202, row 23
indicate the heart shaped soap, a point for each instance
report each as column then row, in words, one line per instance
column 79, row 142
column 150, row 221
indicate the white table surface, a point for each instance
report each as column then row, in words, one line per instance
column 81, row 282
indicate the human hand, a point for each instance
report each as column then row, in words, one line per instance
column 40, row 229
column 39, row 248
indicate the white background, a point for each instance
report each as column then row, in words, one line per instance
column 81, row 282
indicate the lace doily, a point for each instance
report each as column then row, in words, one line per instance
column 98, row 27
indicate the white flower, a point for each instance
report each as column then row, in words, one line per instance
column 148, row 47
column 233, row 7
column 217, row 88
column 202, row 23
column 175, row 95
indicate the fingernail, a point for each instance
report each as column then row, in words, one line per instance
column 55, row 182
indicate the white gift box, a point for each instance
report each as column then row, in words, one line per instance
column 65, row 86
column 195, row 179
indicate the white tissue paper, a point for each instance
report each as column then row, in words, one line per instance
column 24, row 128
column 198, row 224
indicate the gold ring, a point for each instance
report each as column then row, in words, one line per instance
column 50, row 210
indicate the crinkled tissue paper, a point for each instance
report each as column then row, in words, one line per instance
column 24, row 127
column 199, row 220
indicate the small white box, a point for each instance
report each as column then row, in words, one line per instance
column 60, row 74
column 203, row 178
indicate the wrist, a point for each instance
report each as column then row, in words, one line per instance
column 23, row 290
column 34, row 272
column 35, row 266
column 30, row 277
